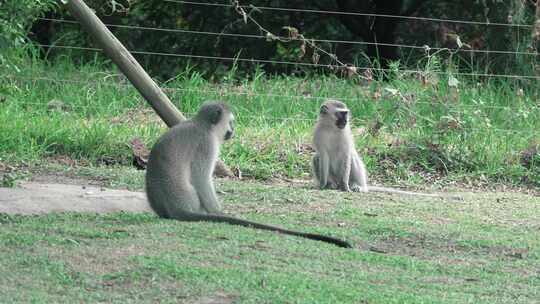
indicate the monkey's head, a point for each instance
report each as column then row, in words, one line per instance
column 219, row 118
column 335, row 111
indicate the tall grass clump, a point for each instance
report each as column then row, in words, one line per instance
column 416, row 127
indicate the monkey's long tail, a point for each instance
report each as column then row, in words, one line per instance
column 397, row 191
column 246, row 223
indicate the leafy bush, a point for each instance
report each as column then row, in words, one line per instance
column 16, row 17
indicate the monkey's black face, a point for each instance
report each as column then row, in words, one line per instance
column 341, row 119
column 228, row 135
column 230, row 132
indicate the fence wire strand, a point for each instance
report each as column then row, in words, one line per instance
column 251, row 36
column 228, row 92
column 355, row 14
column 355, row 121
column 331, row 66
column 260, row 117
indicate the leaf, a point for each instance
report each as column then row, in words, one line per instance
column 270, row 36
column 293, row 32
column 452, row 81
column 315, row 57
column 458, row 41
column 140, row 153
column 351, row 71
column 392, row 91
column 368, row 75
column 302, row 50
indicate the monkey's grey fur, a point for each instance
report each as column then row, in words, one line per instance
column 179, row 172
column 336, row 163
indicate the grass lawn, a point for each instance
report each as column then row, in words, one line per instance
column 485, row 249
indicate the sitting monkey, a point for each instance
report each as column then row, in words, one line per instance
column 336, row 163
column 179, row 181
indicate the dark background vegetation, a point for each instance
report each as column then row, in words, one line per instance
column 418, row 32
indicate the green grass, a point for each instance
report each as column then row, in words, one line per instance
column 484, row 249
column 406, row 129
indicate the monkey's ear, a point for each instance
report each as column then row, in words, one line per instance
column 216, row 116
column 324, row 109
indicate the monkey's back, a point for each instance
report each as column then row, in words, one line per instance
column 168, row 170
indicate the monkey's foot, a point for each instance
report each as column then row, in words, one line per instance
column 358, row 188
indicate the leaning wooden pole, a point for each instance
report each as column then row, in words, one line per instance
column 116, row 51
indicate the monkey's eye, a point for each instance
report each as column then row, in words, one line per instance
column 341, row 114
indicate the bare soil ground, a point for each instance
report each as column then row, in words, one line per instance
column 40, row 198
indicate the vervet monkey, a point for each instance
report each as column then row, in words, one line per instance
column 179, row 181
column 336, row 163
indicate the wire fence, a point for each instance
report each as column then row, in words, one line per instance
column 195, row 32
column 224, row 92
column 262, row 117
column 335, row 64
column 282, row 119
column 329, row 12
column 306, row 64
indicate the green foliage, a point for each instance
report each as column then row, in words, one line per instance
column 16, row 17
column 476, row 36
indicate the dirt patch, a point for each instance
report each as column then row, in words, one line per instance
column 23, row 172
column 143, row 286
column 426, row 247
column 64, row 179
column 36, row 198
column 218, row 298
